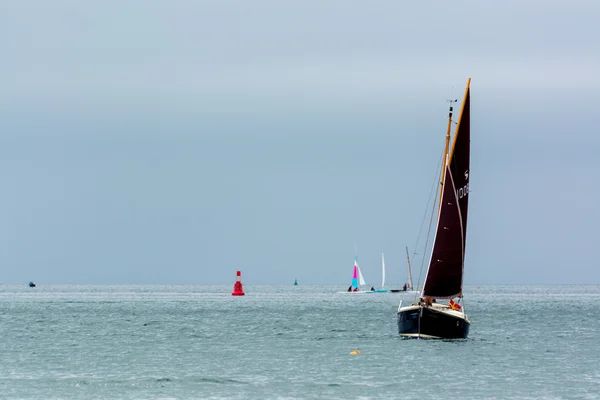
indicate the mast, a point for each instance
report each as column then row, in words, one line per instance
column 446, row 146
column 462, row 111
column 409, row 271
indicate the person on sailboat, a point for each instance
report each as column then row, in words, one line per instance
column 350, row 288
column 372, row 288
column 427, row 300
column 404, row 287
column 355, row 290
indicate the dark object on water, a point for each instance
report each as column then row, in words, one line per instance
column 31, row 284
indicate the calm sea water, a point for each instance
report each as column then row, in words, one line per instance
column 286, row 342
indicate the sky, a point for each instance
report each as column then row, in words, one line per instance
column 174, row 142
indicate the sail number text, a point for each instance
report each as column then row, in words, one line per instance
column 463, row 191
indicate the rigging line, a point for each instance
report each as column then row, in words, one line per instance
column 437, row 179
column 426, row 245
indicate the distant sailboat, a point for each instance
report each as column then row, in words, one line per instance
column 295, row 282
column 382, row 290
column 444, row 278
column 31, row 284
column 408, row 286
column 357, row 279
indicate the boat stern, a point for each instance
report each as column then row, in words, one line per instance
column 436, row 322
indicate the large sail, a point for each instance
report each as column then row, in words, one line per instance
column 445, row 273
column 382, row 271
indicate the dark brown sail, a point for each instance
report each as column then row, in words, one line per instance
column 445, row 274
column 459, row 159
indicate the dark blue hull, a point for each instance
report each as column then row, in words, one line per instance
column 429, row 322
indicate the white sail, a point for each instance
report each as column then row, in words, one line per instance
column 382, row 271
column 361, row 280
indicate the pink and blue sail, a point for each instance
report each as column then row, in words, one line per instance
column 355, row 274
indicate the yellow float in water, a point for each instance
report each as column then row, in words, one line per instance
column 355, row 352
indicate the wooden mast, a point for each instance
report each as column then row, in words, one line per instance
column 462, row 107
column 445, row 159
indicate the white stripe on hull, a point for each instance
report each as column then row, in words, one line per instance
column 420, row 335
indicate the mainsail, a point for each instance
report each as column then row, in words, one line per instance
column 445, row 273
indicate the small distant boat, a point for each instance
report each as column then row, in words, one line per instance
column 382, row 290
column 444, row 278
column 31, row 284
column 408, row 287
column 295, row 282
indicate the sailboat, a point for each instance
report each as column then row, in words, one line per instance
column 357, row 280
column 444, row 278
column 382, row 290
column 408, row 286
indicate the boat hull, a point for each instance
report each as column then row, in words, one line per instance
column 432, row 322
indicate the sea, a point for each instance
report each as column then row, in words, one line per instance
column 292, row 342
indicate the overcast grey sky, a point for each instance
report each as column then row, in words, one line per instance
column 177, row 141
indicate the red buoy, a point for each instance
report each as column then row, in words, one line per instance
column 238, row 290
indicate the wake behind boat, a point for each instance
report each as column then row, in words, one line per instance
column 444, row 278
